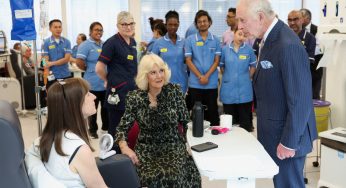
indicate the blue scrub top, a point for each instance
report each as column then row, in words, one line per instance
column 121, row 61
column 173, row 55
column 56, row 51
column 74, row 51
column 90, row 51
column 203, row 54
column 151, row 44
column 236, row 86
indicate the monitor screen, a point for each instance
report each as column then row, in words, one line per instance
column 2, row 44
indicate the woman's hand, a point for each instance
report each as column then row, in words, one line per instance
column 129, row 152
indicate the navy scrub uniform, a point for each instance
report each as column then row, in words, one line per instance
column 121, row 61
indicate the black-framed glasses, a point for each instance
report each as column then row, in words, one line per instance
column 125, row 25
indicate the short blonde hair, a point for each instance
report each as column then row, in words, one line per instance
column 124, row 16
column 146, row 65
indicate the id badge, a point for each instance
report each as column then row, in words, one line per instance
column 113, row 99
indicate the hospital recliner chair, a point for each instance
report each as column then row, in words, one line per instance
column 117, row 170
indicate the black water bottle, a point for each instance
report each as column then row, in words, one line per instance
column 197, row 119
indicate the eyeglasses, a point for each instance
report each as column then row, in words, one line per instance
column 125, row 25
column 292, row 19
column 98, row 30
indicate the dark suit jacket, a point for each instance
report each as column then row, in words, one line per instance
column 313, row 29
column 285, row 111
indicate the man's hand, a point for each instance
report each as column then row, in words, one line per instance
column 283, row 152
column 203, row 80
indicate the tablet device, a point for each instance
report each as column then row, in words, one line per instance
column 204, row 147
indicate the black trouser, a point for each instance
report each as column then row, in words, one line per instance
column 208, row 97
column 241, row 114
column 100, row 97
column 114, row 117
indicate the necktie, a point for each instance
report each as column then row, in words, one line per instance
column 260, row 46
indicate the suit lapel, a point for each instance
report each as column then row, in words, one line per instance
column 271, row 38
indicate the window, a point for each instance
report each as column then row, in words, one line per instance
column 81, row 13
column 54, row 9
column 158, row 9
column 218, row 10
column 283, row 7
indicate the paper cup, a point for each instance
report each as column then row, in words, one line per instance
column 226, row 121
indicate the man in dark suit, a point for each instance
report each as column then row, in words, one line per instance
column 315, row 73
column 307, row 25
column 282, row 83
column 295, row 22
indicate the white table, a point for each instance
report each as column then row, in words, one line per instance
column 239, row 159
column 333, row 158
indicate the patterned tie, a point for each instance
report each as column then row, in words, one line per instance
column 260, row 46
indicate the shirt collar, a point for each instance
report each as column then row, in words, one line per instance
column 199, row 37
column 166, row 37
column 270, row 28
column 308, row 27
column 232, row 46
column 52, row 39
column 93, row 41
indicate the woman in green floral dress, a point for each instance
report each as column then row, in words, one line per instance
column 158, row 107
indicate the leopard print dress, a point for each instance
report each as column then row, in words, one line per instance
column 161, row 149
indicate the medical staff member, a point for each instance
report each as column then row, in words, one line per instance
column 238, row 62
column 87, row 56
column 80, row 38
column 171, row 49
column 57, row 52
column 202, row 53
column 117, row 67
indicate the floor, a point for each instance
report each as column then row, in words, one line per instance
column 30, row 132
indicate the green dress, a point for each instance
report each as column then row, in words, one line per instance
column 161, row 150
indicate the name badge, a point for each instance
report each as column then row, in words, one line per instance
column 163, row 50
column 199, row 43
column 130, row 57
column 242, row 57
column 99, row 50
column 51, row 47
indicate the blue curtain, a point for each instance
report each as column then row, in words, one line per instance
column 23, row 24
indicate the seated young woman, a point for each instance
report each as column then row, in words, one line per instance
column 158, row 107
column 65, row 147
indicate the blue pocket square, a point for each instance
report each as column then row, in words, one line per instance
column 266, row 64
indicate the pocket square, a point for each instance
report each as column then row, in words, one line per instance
column 266, row 64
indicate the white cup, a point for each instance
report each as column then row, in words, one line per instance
column 226, row 121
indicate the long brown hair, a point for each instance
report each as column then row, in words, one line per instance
column 65, row 100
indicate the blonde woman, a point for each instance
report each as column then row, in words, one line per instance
column 158, row 107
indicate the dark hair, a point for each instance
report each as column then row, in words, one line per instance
column 153, row 22
column 16, row 46
column 65, row 100
column 92, row 25
column 201, row 13
column 306, row 12
column 233, row 10
column 52, row 21
column 82, row 36
column 172, row 14
column 161, row 28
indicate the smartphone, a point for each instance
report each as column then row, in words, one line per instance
column 204, row 147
